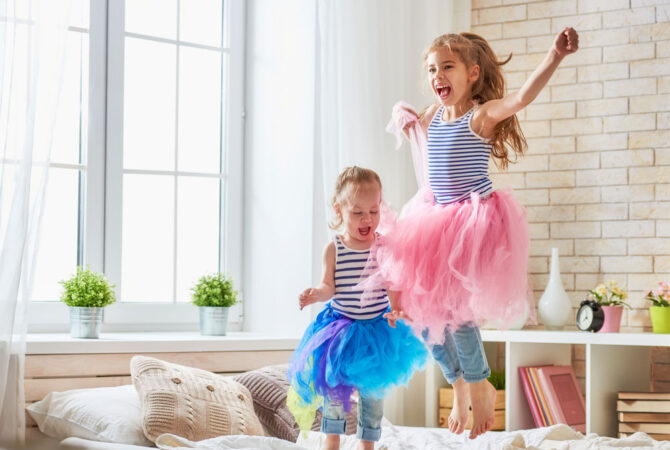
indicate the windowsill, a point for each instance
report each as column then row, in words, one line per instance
column 157, row 342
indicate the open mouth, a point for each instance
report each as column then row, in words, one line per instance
column 443, row 91
column 365, row 231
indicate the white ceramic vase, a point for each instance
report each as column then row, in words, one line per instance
column 555, row 307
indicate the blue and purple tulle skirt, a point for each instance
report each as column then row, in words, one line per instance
column 338, row 355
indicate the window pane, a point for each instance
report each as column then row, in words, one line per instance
column 197, row 232
column 57, row 253
column 200, row 22
column 149, row 105
column 199, row 110
column 148, row 230
column 74, row 96
column 79, row 15
column 152, row 17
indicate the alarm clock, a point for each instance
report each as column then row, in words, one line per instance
column 590, row 316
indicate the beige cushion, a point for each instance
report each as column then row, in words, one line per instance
column 191, row 403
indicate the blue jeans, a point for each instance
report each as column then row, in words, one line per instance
column 462, row 355
column 370, row 412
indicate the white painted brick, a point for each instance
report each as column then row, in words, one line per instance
column 538, row 230
column 605, row 107
column 567, row 75
column 663, row 120
column 587, row 6
column 564, row 110
column 629, row 228
column 650, row 68
column 629, row 52
column 635, row 193
column 581, row 22
column 540, row 280
column 503, row 47
column 493, row 31
column 540, row 43
column 564, row 213
column 514, row 80
column 583, row 57
column 602, row 38
column 543, row 247
column 602, row 177
column 538, row 264
column 600, row 247
column 644, row 283
column 608, row 211
column 664, row 85
column 662, row 13
column 648, row 175
column 581, row 91
column 602, row 72
column 530, row 163
column 581, row 264
column 629, row 88
column 502, row 14
column 662, row 228
column 515, row 2
column 524, row 62
column 662, row 156
column 536, row 128
column 575, row 230
column 479, row 4
column 564, row 144
column 587, row 125
column 612, row 141
column 586, row 281
column 630, row 122
column 663, row 49
column 552, row 9
column 646, row 139
column 543, row 97
column 649, row 103
column 650, row 33
column 575, row 161
column 526, row 28
column 628, row 17
column 550, row 179
column 571, row 196
column 661, row 263
column 662, row 191
column 532, row 196
column 650, row 210
column 474, row 17
column 513, row 180
column 640, row 3
column 627, row 264
column 649, row 246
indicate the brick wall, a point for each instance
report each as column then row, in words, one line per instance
column 596, row 181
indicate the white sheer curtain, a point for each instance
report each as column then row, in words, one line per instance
column 32, row 43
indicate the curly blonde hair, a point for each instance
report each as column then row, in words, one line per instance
column 348, row 182
column 473, row 49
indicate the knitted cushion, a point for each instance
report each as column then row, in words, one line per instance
column 191, row 403
column 268, row 387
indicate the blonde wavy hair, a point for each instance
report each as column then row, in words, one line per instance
column 473, row 49
column 348, row 182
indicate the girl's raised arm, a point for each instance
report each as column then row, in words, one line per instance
column 495, row 111
column 326, row 288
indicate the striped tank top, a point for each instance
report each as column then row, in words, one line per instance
column 458, row 159
column 349, row 265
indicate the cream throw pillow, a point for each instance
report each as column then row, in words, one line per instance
column 191, row 403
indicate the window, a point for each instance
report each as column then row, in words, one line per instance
column 149, row 188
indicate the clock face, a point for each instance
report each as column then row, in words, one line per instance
column 584, row 317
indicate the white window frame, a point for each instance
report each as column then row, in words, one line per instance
column 103, row 189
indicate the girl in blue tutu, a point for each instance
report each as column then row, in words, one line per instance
column 350, row 346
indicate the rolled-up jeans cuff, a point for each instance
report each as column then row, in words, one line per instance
column 469, row 378
column 453, row 376
column 368, row 434
column 333, row 426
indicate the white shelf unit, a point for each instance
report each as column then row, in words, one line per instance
column 614, row 362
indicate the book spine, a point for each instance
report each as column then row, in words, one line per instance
column 536, row 389
column 542, row 394
column 550, row 394
column 530, row 397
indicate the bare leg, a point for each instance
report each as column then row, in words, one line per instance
column 459, row 412
column 332, row 442
column 365, row 445
column 483, row 398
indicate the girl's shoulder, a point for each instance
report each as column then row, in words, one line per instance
column 426, row 116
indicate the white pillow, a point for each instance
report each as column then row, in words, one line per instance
column 108, row 414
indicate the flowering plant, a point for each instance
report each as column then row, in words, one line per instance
column 609, row 294
column 661, row 295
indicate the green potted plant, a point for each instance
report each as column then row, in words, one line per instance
column 86, row 294
column 612, row 300
column 214, row 295
column 659, row 311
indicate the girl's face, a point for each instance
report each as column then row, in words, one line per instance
column 360, row 212
column 449, row 78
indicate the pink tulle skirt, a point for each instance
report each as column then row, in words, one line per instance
column 456, row 264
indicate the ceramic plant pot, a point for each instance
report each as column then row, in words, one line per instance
column 612, row 319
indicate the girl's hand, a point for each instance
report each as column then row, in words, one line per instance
column 566, row 42
column 400, row 114
column 394, row 316
column 308, row 297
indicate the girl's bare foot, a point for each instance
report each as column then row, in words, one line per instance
column 459, row 411
column 365, row 445
column 332, row 442
column 483, row 398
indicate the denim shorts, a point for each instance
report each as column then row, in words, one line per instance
column 370, row 412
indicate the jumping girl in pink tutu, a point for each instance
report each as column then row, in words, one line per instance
column 459, row 253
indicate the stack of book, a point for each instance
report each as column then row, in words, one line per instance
column 648, row 412
column 447, row 402
column 554, row 396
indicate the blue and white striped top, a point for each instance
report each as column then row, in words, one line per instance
column 349, row 265
column 458, row 159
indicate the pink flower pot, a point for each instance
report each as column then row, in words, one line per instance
column 612, row 319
